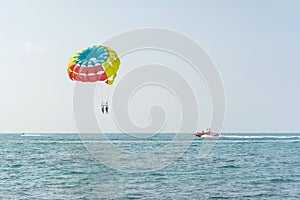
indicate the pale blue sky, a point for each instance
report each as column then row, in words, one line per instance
column 254, row 44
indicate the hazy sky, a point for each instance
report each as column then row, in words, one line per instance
column 254, row 44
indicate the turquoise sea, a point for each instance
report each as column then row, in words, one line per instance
column 240, row 166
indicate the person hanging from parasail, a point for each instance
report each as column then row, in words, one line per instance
column 106, row 107
column 102, row 107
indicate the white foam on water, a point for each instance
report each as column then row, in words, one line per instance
column 33, row 135
column 261, row 136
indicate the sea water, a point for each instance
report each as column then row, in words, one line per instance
column 240, row 166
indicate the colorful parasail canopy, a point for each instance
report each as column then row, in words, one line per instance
column 95, row 63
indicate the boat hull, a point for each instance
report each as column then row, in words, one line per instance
column 210, row 134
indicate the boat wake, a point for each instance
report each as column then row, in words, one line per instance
column 33, row 135
column 261, row 136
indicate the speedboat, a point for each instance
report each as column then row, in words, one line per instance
column 206, row 133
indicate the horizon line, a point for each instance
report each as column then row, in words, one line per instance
column 227, row 132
